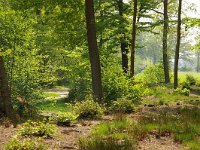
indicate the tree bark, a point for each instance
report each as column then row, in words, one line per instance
column 165, row 48
column 124, row 44
column 133, row 42
column 5, row 94
column 198, row 59
column 93, row 50
column 177, row 46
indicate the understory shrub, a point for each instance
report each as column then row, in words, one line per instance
column 122, row 105
column 26, row 108
column 25, row 144
column 64, row 118
column 42, row 129
column 185, row 85
column 152, row 74
column 190, row 79
column 184, row 91
column 88, row 109
column 116, row 85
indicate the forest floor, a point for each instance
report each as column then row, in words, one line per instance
column 67, row 137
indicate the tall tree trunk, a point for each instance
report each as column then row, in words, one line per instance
column 5, row 94
column 198, row 59
column 133, row 42
column 102, row 19
column 93, row 50
column 177, row 46
column 124, row 44
column 165, row 48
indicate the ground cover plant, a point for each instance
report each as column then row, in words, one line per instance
column 39, row 128
column 88, row 109
column 25, row 144
column 116, row 135
column 173, row 121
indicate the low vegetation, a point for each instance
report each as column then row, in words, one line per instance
column 41, row 129
column 25, row 144
column 88, row 109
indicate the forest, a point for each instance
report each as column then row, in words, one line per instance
column 99, row 75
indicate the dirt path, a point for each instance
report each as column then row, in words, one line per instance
column 64, row 92
column 162, row 143
column 68, row 137
column 65, row 139
column 5, row 134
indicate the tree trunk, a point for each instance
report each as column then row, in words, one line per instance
column 198, row 59
column 133, row 42
column 124, row 44
column 93, row 50
column 5, row 94
column 165, row 49
column 177, row 46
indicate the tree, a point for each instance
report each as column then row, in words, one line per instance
column 177, row 46
column 93, row 50
column 165, row 48
column 5, row 94
column 124, row 44
column 134, row 28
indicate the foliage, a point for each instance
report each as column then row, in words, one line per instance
column 190, row 79
column 184, row 91
column 64, row 118
column 122, row 105
column 28, row 144
column 173, row 121
column 185, row 85
column 88, row 109
column 116, row 135
column 54, row 106
column 31, row 128
column 152, row 75
column 118, row 85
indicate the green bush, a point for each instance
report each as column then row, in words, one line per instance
column 64, row 119
column 153, row 74
column 28, row 144
column 190, row 79
column 184, row 91
column 122, row 105
column 31, row 128
column 116, row 85
column 185, row 85
column 88, row 109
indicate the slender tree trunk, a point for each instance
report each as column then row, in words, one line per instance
column 133, row 42
column 124, row 44
column 5, row 94
column 93, row 50
column 101, row 16
column 165, row 48
column 198, row 59
column 177, row 46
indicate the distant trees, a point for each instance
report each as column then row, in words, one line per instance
column 93, row 50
